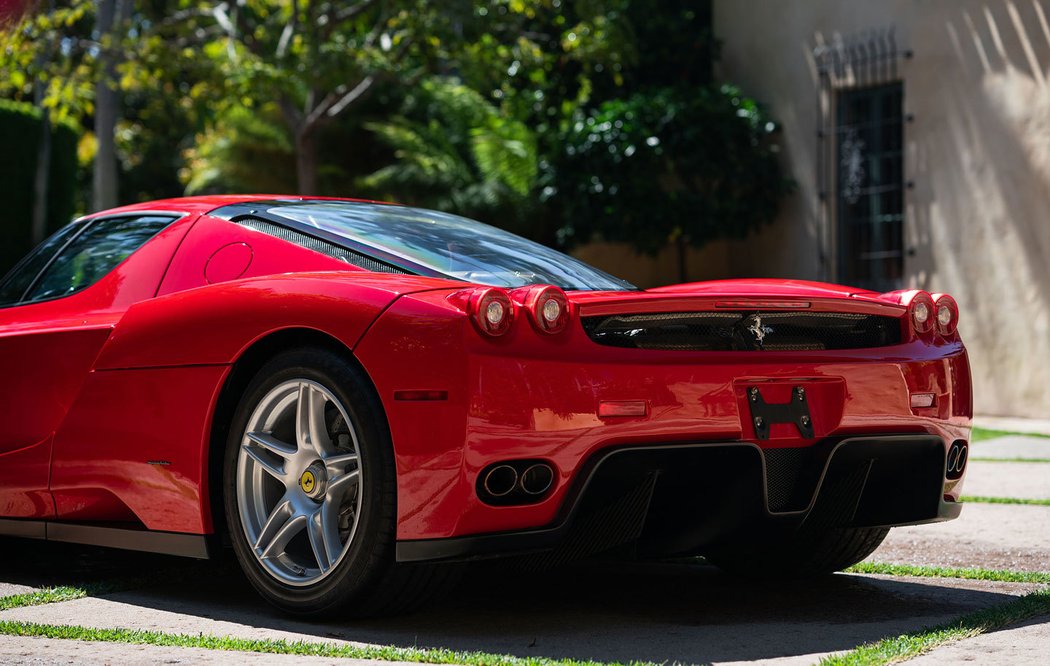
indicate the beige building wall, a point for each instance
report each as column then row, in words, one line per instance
column 710, row 262
column 977, row 151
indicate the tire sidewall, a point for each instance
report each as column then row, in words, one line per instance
column 372, row 547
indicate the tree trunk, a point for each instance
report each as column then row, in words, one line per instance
column 107, row 104
column 38, row 230
column 683, row 259
column 41, row 179
column 306, row 161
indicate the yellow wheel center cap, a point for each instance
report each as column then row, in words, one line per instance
column 312, row 481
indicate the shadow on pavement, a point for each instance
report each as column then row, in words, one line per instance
column 600, row 611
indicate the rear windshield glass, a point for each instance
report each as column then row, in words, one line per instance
column 451, row 245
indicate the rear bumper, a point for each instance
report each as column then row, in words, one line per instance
column 680, row 499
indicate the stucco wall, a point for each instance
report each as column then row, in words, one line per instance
column 710, row 262
column 977, row 151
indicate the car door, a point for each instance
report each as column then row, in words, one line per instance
column 57, row 308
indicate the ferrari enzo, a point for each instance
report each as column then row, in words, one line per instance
column 355, row 396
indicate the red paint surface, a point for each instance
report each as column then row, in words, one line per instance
column 128, row 371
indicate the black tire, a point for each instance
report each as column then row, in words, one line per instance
column 805, row 554
column 366, row 581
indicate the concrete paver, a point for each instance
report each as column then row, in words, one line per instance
column 607, row 612
column 1013, row 424
column 1012, row 446
column 993, row 536
column 1025, row 643
column 35, row 651
column 8, row 589
column 611, row 612
column 1008, row 479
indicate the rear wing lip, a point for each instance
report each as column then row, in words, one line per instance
column 649, row 303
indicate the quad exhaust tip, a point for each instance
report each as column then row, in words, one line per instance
column 537, row 479
column 500, row 480
column 957, row 456
column 516, row 482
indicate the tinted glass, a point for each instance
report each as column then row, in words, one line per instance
column 451, row 245
column 94, row 253
column 14, row 285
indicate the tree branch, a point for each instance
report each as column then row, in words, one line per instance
column 347, row 13
column 350, row 97
column 289, row 30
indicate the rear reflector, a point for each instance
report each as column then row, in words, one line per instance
column 919, row 400
column 420, row 395
column 610, row 409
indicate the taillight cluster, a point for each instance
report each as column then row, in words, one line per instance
column 493, row 309
column 927, row 313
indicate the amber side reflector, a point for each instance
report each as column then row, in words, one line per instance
column 610, row 408
column 420, row 395
column 920, row 400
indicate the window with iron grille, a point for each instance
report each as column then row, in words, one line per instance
column 870, row 186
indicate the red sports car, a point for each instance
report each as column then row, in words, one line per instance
column 353, row 394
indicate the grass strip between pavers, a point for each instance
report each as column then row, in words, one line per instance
column 1001, row 575
column 1010, row 460
column 983, row 434
column 1004, row 500
column 910, row 645
column 60, row 593
column 886, row 651
column 268, row 646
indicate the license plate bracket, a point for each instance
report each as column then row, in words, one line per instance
column 765, row 414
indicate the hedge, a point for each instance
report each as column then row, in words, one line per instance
column 19, row 136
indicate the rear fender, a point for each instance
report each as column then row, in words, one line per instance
column 213, row 325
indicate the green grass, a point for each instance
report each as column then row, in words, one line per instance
column 51, row 595
column 982, row 434
column 328, row 650
column 1004, row 500
column 1011, row 460
column 910, row 645
column 950, row 572
column 886, row 651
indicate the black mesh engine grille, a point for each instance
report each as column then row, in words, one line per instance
column 791, row 477
column 744, row 331
column 318, row 245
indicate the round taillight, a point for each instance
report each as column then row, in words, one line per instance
column 922, row 312
column 947, row 314
column 492, row 311
column 548, row 308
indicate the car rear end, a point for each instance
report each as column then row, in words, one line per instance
column 672, row 421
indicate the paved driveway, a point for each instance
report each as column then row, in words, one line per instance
column 601, row 611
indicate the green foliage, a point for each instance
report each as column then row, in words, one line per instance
column 20, row 133
column 49, row 54
column 454, row 151
column 675, row 43
column 666, row 165
column 244, row 151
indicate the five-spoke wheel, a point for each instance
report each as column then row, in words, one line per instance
column 299, row 481
column 309, row 487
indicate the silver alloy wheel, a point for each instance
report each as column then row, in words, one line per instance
column 299, row 482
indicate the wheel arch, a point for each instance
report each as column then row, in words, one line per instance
column 242, row 370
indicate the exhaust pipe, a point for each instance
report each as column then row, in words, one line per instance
column 500, row 480
column 957, row 455
column 537, row 479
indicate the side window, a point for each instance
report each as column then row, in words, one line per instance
column 15, row 283
column 94, row 253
